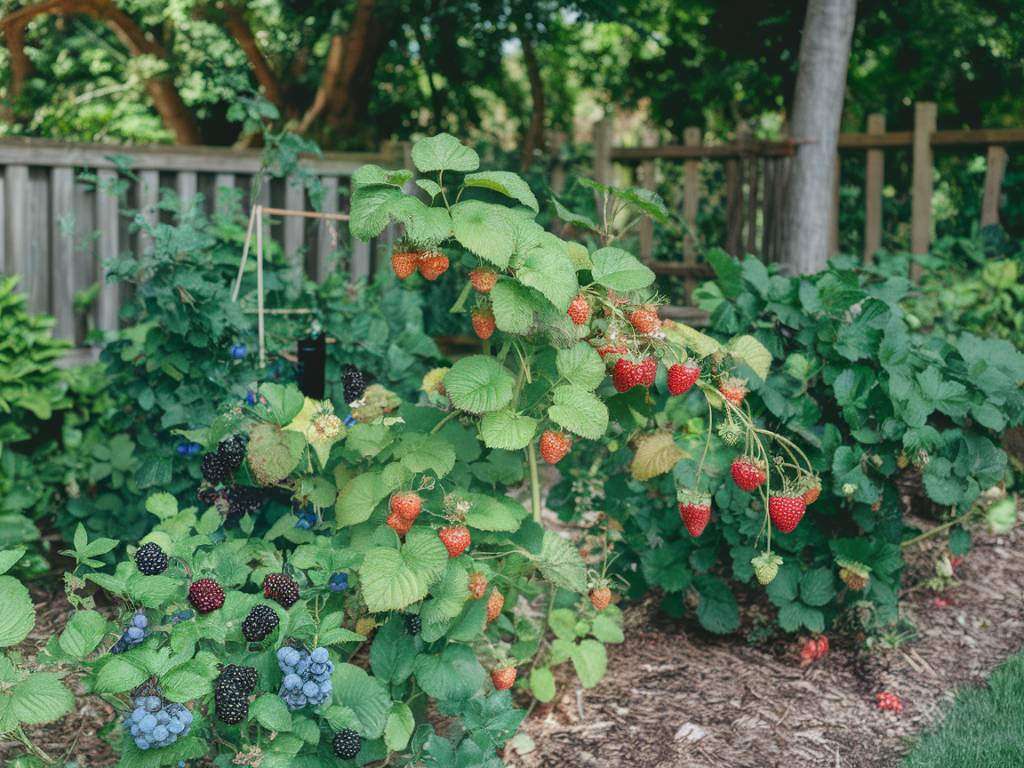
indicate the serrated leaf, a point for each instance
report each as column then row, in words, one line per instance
column 443, row 152
column 452, row 675
column 18, row 615
column 8, row 558
column 425, row 226
column 494, row 513
column 542, row 684
column 358, row 499
column 549, row 271
column 645, row 201
column 117, row 675
column 506, row 183
column 515, row 306
column 590, row 660
column 579, row 411
column 393, row 579
column 560, row 563
column 580, row 365
column 507, row 430
column 392, row 652
column 432, row 188
column 447, row 597
column 162, row 504
column 370, row 210
column 485, row 230
column 752, row 353
column 363, row 695
column 576, row 219
column 699, row 343
column 619, row 270
column 479, row 384
column 399, row 727
column 82, row 634
column 40, row 698
column 717, row 610
column 656, row 454
column 424, row 452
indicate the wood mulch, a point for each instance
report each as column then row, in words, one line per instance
column 677, row 696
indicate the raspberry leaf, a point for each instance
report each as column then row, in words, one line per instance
column 620, row 270
column 479, row 384
column 506, row 183
column 444, row 152
column 18, row 615
column 484, row 229
column 579, row 411
column 507, row 430
column 580, row 365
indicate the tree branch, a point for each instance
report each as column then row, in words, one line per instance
column 239, row 28
column 534, row 139
column 176, row 116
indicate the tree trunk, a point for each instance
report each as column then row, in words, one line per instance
column 817, row 111
column 239, row 28
column 534, row 139
column 347, row 84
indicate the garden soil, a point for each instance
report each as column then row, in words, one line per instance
column 677, row 697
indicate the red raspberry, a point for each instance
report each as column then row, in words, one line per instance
column 483, row 279
column 579, row 310
column 554, row 446
column 477, row 585
column 433, row 264
column 733, row 389
column 747, row 473
column 645, row 320
column 495, row 603
column 627, row 374
column 483, row 322
column 406, row 505
column 399, row 524
column 503, row 677
column 682, row 377
column 206, row 595
column 404, row 263
column 889, row 701
column 786, row 512
column 455, row 539
column 600, row 597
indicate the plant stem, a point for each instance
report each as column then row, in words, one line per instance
column 31, row 747
column 531, row 453
column 442, row 422
column 938, row 529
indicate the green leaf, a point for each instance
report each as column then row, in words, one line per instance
column 606, row 629
column 18, row 615
column 753, row 353
column 515, row 306
column 273, row 453
column 118, row 674
column 370, row 210
column 432, row 188
column 579, row 411
column 154, row 472
column 448, row 596
column 590, row 661
column 393, row 580
column 425, row 226
column 550, row 271
column 270, row 711
column 152, row 591
column 40, row 698
column 443, row 152
column 580, row 365
column 542, row 684
column 485, row 230
column 656, row 454
column 392, row 652
column 794, row 616
column 728, row 272
column 452, row 675
column 717, row 611
column 83, row 633
column 191, row 680
column 699, row 343
column 494, row 513
column 358, row 499
column 507, row 430
column 817, row 587
column 645, row 201
column 364, row 695
column 424, row 452
column 399, row 727
column 576, row 219
column 162, row 504
column 370, row 175
column 560, row 563
column 620, row 270
column 506, row 183
column 8, row 558
column 479, row 384
column 563, row 623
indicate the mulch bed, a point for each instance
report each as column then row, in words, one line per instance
column 677, row 696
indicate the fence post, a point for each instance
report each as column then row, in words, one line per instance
column 691, row 201
column 921, row 195
column 874, row 180
column 604, row 136
column 995, row 167
column 648, row 138
column 109, row 304
column 734, row 201
column 556, row 141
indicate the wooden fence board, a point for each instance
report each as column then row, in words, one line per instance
column 922, row 182
column 874, row 182
column 62, row 235
column 995, row 167
column 108, row 247
column 733, row 206
column 16, row 194
column 328, row 233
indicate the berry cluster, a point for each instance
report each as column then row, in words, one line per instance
column 219, row 465
column 134, row 633
column 338, row 582
column 408, row 258
column 307, row 677
column 206, row 595
column 346, row 743
column 889, row 701
column 154, row 723
column 282, row 588
column 150, row 559
column 353, row 382
column 261, row 621
column 231, row 693
column 812, row 649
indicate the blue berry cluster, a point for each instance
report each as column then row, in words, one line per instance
column 307, row 677
column 154, row 723
column 188, row 449
column 238, row 351
column 134, row 633
column 338, row 582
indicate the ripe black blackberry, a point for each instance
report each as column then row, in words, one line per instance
column 232, row 450
column 243, row 500
column 232, row 704
column 282, row 588
column 242, row 678
column 413, row 623
column 346, row 743
column 215, row 468
column 150, row 559
column 261, row 621
column 354, row 382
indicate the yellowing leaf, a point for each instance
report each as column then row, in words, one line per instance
column 699, row 343
column 753, row 353
column 655, row 455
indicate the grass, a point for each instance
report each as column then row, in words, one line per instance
column 984, row 729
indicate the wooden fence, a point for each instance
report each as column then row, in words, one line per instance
column 56, row 229
column 755, row 183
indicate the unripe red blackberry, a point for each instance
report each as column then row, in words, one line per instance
column 261, row 621
column 150, row 559
column 282, row 588
column 346, row 743
column 206, row 595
